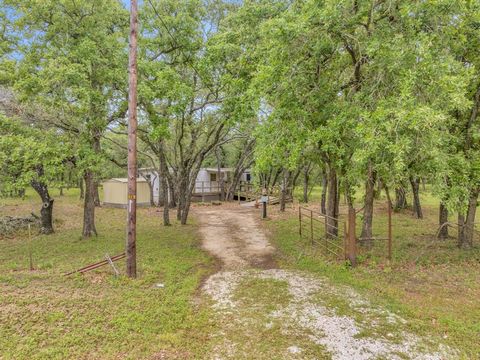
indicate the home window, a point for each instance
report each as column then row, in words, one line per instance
column 213, row 177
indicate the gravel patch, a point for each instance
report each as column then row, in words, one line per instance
column 235, row 238
column 340, row 335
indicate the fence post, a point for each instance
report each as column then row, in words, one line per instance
column 345, row 240
column 389, row 231
column 300, row 221
column 203, row 193
column 352, row 246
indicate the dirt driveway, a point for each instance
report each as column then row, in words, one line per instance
column 235, row 237
column 268, row 313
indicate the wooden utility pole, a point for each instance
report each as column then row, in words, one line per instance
column 130, row 250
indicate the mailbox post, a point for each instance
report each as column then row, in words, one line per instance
column 264, row 201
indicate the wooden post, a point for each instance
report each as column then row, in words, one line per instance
column 203, row 191
column 132, row 145
column 352, row 246
column 264, row 204
column 300, row 221
column 389, row 231
column 345, row 240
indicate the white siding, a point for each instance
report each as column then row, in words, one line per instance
column 202, row 176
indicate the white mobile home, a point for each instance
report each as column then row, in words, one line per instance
column 207, row 184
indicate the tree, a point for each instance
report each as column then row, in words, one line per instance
column 181, row 92
column 30, row 156
column 74, row 65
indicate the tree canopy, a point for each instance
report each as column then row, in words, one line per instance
column 363, row 93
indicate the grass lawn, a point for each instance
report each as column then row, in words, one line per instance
column 434, row 285
column 45, row 315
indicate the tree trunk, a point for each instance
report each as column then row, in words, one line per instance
column 295, row 178
column 220, row 180
column 442, row 220
column 348, row 193
column 163, row 197
column 460, row 229
column 417, row 208
column 332, row 221
column 46, row 213
column 166, row 215
column 163, row 190
column 150, row 190
column 82, row 190
column 366, row 235
column 96, row 195
column 337, row 202
column 180, row 204
column 467, row 224
column 162, row 194
column 244, row 161
column 185, row 211
column 400, row 199
column 172, row 196
column 275, row 177
column 150, row 183
column 284, row 189
column 378, row 191
column 89, row 206
column 306, row 172
column 185, row 179
column 323, row 199
column 185, row 192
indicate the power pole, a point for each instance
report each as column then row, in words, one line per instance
column 131, row 252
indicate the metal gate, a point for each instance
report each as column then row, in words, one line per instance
column 324, row 231
column 337, row 236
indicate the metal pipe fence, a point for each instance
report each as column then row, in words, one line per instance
column 340, row 243
column 313, row 228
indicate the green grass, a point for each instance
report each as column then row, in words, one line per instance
column 45, row 315
column 432, row 284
